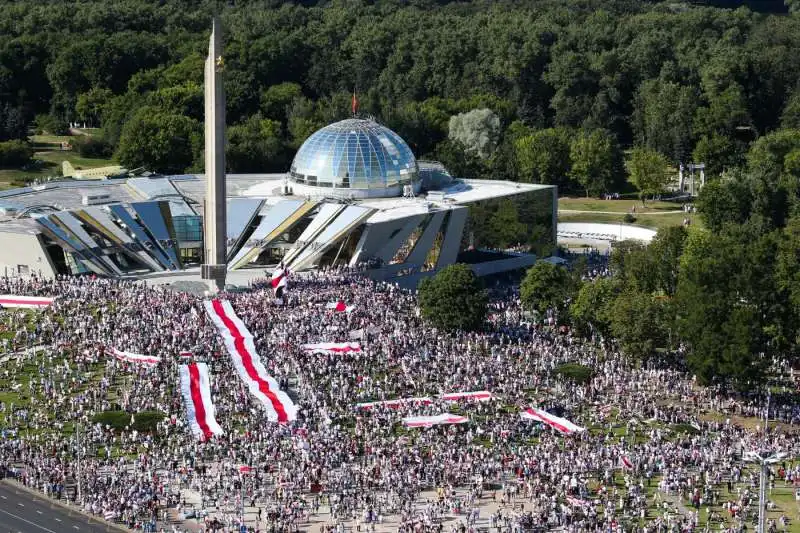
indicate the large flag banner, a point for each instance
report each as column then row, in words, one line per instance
column 397, row 403
column 196, row 390
column 239, row 342
column 434, row 420
column 25, row 302
column 332, row 347
column 340, row 307
column 278, row 281
column 561, row 425
column 130, row 357
column 481, row 395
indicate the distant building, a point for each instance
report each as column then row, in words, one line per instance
column 354, row 194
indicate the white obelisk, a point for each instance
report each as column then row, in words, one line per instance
column 214, row 219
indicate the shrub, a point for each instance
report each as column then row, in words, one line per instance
column 51, row 124
column 574, row 372
column 629, row 218
column 92, row 147
column 15, row 154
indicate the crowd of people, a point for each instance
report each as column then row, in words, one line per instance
column 659, row 454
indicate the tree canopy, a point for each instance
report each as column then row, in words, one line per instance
column 568, row 83
column 453, row 299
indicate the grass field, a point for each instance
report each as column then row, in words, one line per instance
column 653, row 215
column 616, row 206
column 49, row 139
column 50, row 166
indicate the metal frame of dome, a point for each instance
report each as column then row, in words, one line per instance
column 354, row 158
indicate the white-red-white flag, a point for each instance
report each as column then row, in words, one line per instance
column 130, row 357
column 481, row 395
column 434, row 420
column 396, row 403
column 340, row 306
column 196, row 391
column 25, row 302
column 332, row 347
column 562, row 425
column 239, row 342
column 577, row 502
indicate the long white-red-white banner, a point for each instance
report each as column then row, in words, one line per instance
column 562, row 425
column 480, row 396
column 25, row 302
column 130, row 357
column 239, row 342
column 332, row 347
column 433, row 420
column 196, row 390
column 397, row 403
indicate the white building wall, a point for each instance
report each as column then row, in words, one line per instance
column 24, row 254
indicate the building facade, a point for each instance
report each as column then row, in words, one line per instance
column 354, row 195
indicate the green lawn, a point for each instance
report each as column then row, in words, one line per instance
column 645, row 220
column 617, row 206
column 48, row 139
column 51, row 166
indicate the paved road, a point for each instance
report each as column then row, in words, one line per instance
column 22, row 512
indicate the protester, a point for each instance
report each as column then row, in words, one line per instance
column 340, row 464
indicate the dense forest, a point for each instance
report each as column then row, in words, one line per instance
column 569, row 85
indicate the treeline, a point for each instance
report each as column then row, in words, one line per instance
column 723, row 302
column 570, row 85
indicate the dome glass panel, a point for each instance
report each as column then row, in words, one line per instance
column 354, row 154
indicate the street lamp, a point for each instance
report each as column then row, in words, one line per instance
column 763, row 459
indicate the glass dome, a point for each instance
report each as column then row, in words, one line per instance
column 355, row 154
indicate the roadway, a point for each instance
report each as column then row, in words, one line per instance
column 24, row 512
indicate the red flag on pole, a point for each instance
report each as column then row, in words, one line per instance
column 355, row 103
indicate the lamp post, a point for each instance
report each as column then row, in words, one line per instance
column 764, row 459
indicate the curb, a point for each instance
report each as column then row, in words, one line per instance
column 92, row 518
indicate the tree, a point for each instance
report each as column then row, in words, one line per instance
column 255, row 146
column 51, row 124
column 718, row 152
column 594, row 157
column 160, row 142
column 790, row 118
column 547, row 286
column 276, row 100
column 725, row 201
column 663, row 117
column 15, row 153
column 732, row 317
column 640, row 322
column 454, row 299
column 89, row 106
column 13, row 125
column 543, row 157
column 649, row 172
column 632, row 264
column 477, row 130
column 590, row 311
column 665, row 252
